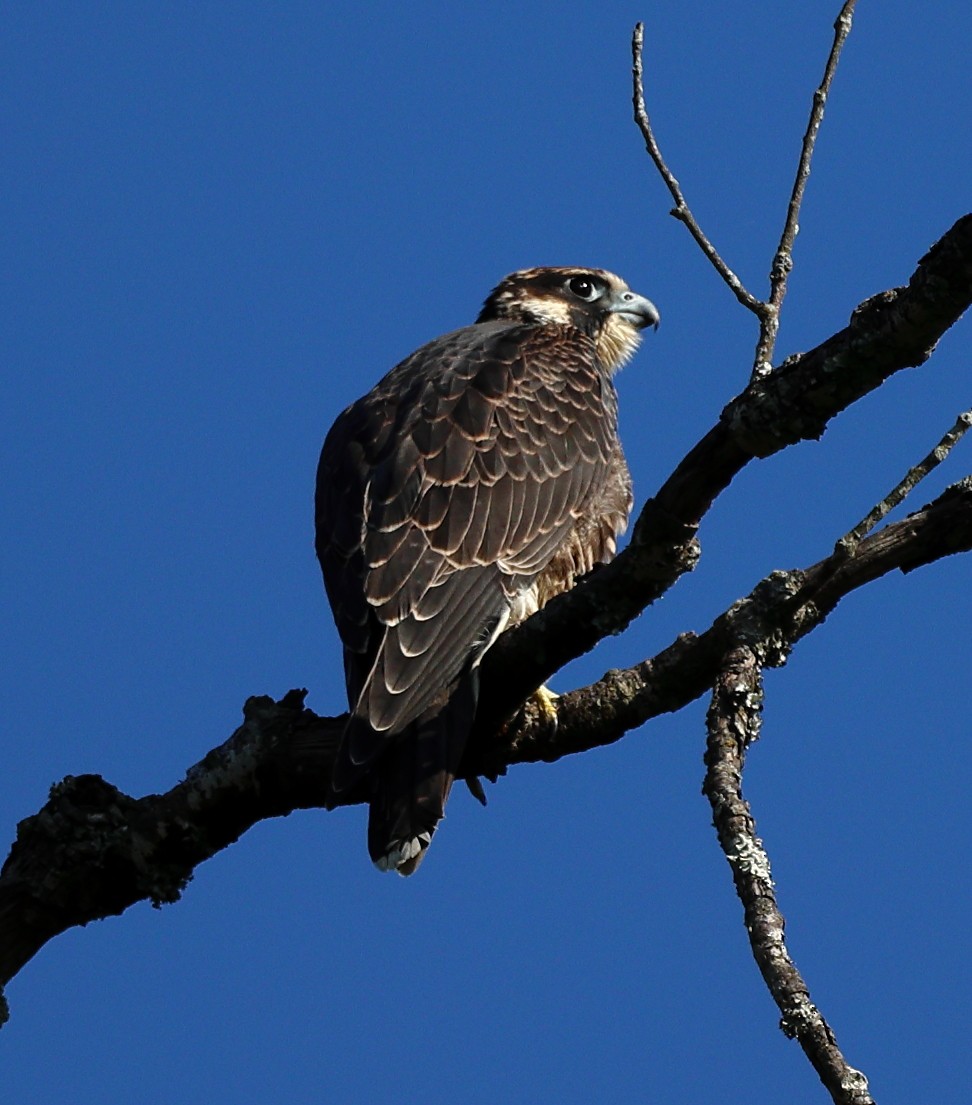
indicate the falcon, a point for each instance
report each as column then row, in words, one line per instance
column 482, row 476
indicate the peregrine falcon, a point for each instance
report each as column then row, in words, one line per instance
column 482, row 476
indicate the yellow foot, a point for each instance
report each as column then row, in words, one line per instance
column 546, row 701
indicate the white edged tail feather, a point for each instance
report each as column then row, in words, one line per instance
column 404, row 856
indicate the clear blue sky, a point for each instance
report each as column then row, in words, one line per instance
column 221, row 223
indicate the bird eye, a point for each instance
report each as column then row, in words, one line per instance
column 583, row 287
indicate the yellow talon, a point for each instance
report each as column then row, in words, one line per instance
column 546, row 701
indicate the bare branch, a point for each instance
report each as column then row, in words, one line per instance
column 773, row 617
column 849, row 542
column 783, row 259
column 888, row 332
column 93, row 851
column 733, row 724
column 767, row 312
column 681, row 211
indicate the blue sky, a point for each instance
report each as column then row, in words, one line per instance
column 220, row 224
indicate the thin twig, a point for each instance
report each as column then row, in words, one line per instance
column 848, row 544
column 767, row 312
column 733, row 724
column 783, row 260
column 681, row 211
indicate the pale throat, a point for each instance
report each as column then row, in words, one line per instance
column 617, row 342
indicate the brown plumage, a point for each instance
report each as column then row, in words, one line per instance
column 479, row 478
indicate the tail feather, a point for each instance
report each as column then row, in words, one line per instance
column 413, row 778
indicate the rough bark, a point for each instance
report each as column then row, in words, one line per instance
column 733, row 723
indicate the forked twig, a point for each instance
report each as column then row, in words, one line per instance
column 767, row 311
column 847, row 545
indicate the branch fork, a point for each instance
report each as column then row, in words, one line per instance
column 767, row 310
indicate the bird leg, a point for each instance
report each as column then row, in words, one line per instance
column 546, row 703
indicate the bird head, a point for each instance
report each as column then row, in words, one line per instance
column 591, row 300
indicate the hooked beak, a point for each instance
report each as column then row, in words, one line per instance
column 635, row 309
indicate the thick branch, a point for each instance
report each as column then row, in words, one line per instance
column 893, row 330
column 93, row 851
column 778, row 612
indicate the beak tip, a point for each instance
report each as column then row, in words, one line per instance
column 650, row 313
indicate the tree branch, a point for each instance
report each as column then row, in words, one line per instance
column 93, row 851
column 890, row 331
column 767, row 311
column 775, row 616
column 733, row 723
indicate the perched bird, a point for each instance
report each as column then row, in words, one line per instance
column 482, row 476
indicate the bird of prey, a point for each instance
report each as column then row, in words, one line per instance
column 482, row 476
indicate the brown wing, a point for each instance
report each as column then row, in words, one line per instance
column 442, row 495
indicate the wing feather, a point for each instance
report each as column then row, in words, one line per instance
column 450, row 534
column 402, row 688
column 432, row 509
column 454, row 460
column 497, row 505
column 468, row 551
column 443, row 492
column 473, row 414
column 392, row 560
